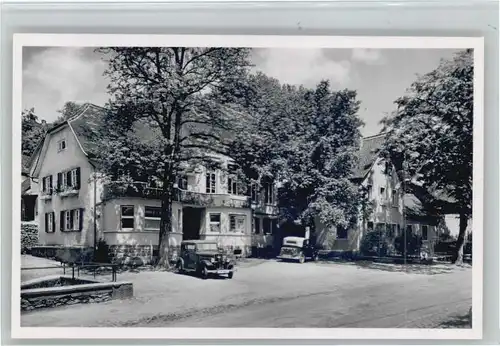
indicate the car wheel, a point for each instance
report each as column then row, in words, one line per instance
column 302, row 258
column 179, row 267
column 316, row 258
column 230, row 275
column 204, row 273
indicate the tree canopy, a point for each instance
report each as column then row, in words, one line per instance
column 306, row 140
column 430, row 136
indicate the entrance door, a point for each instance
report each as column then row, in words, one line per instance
column 191, row 223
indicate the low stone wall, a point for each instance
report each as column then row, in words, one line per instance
column 54, row 281
column 132, row 254
column 66, row 254
column 29, row 236
column 42, row 298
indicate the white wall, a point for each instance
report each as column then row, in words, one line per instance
column 52, row 163
column 110, row 219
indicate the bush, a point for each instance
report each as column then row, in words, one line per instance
column 374, row 243
column 29, row 236
column 102, row 252
column 413, row 243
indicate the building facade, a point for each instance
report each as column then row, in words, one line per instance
column 78, row 208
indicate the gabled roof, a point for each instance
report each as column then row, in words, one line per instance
column 368, row 154
column 87, row 119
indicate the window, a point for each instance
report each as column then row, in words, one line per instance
column 369, row 191
column 253, row 192
column 269, row 193
column 256, row 225
column 395, row 199
column 382, row 191
column 370, row 226
column 237, row 223
column 266, row 226
column 211, row 182
column 47, row 185
column 390, row 230
column 71, row 220
column 127, row 216
column 152, row 218
column 409, row 229
column 49, row 222
column 182, row 182
column 69, row 180
column 425, row 231
column 61, row 145
column 232, row 186
column 341, row 232
column 215, row 223
column 68, row 221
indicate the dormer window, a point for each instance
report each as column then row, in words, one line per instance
column 61, row 145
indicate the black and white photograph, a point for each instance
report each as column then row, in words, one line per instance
column 248, row 184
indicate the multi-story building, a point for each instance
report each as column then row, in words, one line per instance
column 77, row 208
column 388, row 209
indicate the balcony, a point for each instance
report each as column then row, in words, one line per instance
column 141, row 190
column 199, row 199
column 191, row 198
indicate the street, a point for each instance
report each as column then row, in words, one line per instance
column 269, row 293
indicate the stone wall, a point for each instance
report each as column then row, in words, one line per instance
column 133, row 254
column 42, row 298
column 29, row 236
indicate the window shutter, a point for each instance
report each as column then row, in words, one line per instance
column 53, row 222
column 44, row 184
column 59, row 181
column 69, row 183
column 51, row 184
column 78, row 178
column 71, row 218
column 61, row 220
column 81, row 219
column 46, row 222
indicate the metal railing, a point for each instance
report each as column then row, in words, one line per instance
column 76, row 266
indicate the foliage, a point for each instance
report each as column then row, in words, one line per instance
column 413, row 243
column 102, row 252
column 305, row 139
column 68, row 110
column 431, row 135
column 163, row 116
column 374, row 243
column 33, row 131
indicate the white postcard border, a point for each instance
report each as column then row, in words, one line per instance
column 394, row 42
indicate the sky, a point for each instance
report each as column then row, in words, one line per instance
column 55, row 75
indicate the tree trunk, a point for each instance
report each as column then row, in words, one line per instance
column 459, row 255
column 165, row 227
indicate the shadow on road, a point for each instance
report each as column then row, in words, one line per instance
column 426, row 269
column 460, row 321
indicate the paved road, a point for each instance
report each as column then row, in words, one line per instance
column 275, row 294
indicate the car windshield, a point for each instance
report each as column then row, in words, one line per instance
column 207, row 247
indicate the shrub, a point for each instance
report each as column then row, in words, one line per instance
column 413, row 243
column 374, row 243
column 102, row 252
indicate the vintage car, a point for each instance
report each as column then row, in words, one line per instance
column 204, row 258
column 298, row 249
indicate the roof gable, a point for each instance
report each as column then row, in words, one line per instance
column 368, row 154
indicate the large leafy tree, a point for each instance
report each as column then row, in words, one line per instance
column 306, row 140
column 430, row 137
column 166, row 92
column 33, row 131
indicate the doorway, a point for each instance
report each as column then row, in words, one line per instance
column 191, row 223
